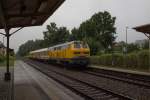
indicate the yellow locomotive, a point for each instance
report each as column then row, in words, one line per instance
column 74, row 52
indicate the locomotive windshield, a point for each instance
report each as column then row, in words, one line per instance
column 80, row 44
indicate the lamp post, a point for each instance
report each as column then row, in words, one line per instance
column 126, row 37
column 125, row 49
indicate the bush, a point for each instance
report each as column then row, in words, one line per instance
column 144, row 59
column 118, row 59
column 95, row 59
column 133, row 60
column 2, row 58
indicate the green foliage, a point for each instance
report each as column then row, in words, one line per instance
column 30, row 45
column 139, row 60
column 118, row 59
column 144, row 59
column 104, row 29
column 105, row 59
column 98, row 31
column 146, row 45
column 132, row 47
column 55, row 35
column 2, row 58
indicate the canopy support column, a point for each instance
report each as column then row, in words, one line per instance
column 149, row 51
column 7, row 74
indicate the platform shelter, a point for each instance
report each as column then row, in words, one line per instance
column 24, row 13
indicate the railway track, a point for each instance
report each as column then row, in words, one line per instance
column 81, row 87
column 139, row 80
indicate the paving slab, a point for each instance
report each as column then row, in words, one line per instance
column 6, row 87
column 31, row 84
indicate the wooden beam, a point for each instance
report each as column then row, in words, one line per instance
column 148, row 35
column 2, row 16
column 28, row 14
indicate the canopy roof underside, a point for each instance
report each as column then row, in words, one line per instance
column 144, row 29
column 24, row 13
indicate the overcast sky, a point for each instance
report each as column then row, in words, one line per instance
column 72, row 13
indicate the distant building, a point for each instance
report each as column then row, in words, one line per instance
column 119, row 46
column 141, row 43
column 3, row 50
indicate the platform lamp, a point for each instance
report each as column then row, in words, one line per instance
column 126, row 38
column 126, row 45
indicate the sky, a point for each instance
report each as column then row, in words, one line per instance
column 128, row 13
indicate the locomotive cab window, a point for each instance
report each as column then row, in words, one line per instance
column 77, row 45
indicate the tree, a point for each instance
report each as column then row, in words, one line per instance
column 55, row 35
column 104, row 28
column 132, row 47
column 26, row 47
column 30, row 45
column 99, row 29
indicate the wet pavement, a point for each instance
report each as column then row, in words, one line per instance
column 31, row 84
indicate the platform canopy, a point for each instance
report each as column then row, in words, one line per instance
column 144, row 29
column 24, row 13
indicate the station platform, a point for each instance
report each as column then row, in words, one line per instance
column 6, row 87
column 121, row 70
column 30, row 84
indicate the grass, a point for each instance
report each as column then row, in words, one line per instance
column 11, row 62
column 132, row 61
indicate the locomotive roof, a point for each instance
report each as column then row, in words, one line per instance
column 39, row 50
column 61, row 44
column 49, row 48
